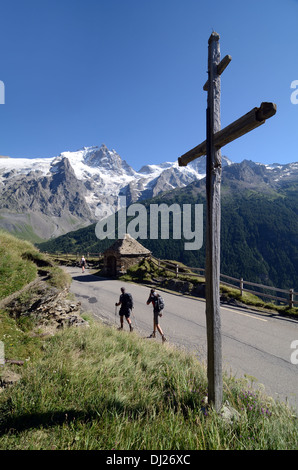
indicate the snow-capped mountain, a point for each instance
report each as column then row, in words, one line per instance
column 50, row 196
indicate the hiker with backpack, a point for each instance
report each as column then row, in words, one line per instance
column 126, row 302
column 83, row 263
column 158, row 305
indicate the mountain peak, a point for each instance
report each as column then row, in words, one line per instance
column 106, row 160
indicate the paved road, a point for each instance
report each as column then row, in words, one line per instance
column 256, row 344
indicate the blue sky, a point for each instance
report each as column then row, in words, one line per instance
column 130, row 74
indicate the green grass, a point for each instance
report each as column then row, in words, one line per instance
column 145, row 271
column 17, row 338
column 26, row 232
column 97, row 388
column 16, row 269
column 59, row 278
column 254, row 301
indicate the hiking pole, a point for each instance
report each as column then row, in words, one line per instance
column 115, row 313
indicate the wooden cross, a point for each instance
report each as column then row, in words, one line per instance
column 217, row 138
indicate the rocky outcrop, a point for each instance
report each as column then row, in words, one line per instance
column 50, row 308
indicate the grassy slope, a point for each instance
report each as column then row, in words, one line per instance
column 19, row 262
column 98, row 388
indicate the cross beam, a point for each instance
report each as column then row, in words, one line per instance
column 211, row 147
column 253, row 119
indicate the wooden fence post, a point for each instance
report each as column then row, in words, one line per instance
column 291, row 298
column 241, row 286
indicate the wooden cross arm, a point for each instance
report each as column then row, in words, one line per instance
column 253, row 119
column 220, row 68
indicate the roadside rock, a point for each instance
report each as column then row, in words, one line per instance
column 199, row 291
column 178, row 285
column 49, row 307
column 8, row 377
column 229, row 414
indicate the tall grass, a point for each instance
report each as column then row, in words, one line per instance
column 98, row 388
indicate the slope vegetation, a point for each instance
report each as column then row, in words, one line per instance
column 17, row 266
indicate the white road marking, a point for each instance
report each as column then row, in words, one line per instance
column 244, row 314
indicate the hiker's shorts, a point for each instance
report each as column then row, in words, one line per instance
column 125, row 312
column 156, row 316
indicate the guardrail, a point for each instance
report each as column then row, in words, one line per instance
column 240, row 283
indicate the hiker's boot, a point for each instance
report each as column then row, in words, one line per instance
column 163, row 338
column 152, row 335
column 131, row 328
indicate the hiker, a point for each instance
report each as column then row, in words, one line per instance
column 83, row 263
column 158, row 306
column 126, row 302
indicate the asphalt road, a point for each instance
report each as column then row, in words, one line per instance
column 253, row 343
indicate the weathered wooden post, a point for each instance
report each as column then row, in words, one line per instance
column 217, row 138
column 291, row 298
column 213, row 179
column 241, row 286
